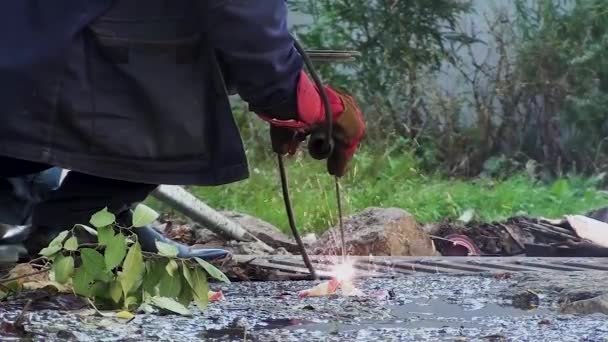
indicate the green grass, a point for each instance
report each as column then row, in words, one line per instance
column 394, row 181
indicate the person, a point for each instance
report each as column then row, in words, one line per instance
column 130, row 94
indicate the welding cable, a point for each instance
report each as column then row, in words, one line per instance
column 322, row 148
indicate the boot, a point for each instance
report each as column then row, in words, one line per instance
column 147, row 237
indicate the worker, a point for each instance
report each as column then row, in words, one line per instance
column 130, row 94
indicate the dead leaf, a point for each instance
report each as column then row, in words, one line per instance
column 125, row 315
column 21, row 271
column 216, row 296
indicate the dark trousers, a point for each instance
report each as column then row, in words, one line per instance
column 79, row 196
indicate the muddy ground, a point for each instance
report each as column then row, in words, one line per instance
column 419, row 308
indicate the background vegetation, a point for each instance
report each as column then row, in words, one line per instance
column 502, row 111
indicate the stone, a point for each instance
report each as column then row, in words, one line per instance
column 589, row 306
column 378, row 232
column 264, row 231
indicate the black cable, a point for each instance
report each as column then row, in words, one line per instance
column 319, row 146
column 290, row 218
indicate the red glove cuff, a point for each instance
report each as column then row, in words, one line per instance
column 310, row 106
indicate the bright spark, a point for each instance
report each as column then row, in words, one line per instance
column 344, row 272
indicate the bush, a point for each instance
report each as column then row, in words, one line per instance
column 538, row 93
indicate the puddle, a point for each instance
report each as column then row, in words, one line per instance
column 440, row 308
column 436, row 314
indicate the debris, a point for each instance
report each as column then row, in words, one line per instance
column 309, row 239
column 378, row 232
column 461, row 246
column 264, row 231
column 589, row 306
column 526, row 300
column 503, row 275
column 126, row 315
column 216, row 296
column 590, row 229
column 326, row 288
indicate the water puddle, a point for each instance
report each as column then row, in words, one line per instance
column 436, row 313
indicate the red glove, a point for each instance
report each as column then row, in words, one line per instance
column 348, row 124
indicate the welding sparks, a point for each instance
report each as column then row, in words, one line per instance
column 344, row 272
column 343, row 276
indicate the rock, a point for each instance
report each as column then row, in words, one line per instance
column 526, row 300
column 309, row 239
column 590, row 306
column 264, row 231
column 205, row 236
column 379, row 232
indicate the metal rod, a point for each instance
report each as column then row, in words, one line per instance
column 339, row 202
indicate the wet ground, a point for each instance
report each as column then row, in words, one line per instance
column 419, row 308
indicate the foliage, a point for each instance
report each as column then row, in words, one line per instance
column 394, row 53
column 563, row 65
column 471, row 87
column 395, row 179
column 115, row 273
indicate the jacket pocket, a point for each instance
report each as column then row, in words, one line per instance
column 148, row 69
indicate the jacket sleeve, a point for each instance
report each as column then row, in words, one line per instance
column 256, row 53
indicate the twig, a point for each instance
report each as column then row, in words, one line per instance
column 556, row 228
column 19, row 321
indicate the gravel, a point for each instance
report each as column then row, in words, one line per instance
column 423, row 308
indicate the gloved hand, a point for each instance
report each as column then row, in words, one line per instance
column 348, row 124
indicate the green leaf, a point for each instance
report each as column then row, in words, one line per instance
column 166, row 249
column 213, row 271
column 170, row 305
column 87, row 228
column 131, row 301
column 116, row 291
column 132, row 269
column 105, row 235
column 102, row 218
column 171, row 267
column 200, row 289
column 188, row 275
column 101, row 289
column 58, row 240
column 50, row 251
column 185, row 296
column 93, row 264
column 115, row 251
column 143, row 215
column 154, row 272
column 63, row 268
column 71, row 244
column 169, row 286
column 81, row 282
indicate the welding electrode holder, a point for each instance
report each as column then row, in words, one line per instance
column 319, row 146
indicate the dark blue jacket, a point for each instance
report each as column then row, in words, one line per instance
column 137, row 89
